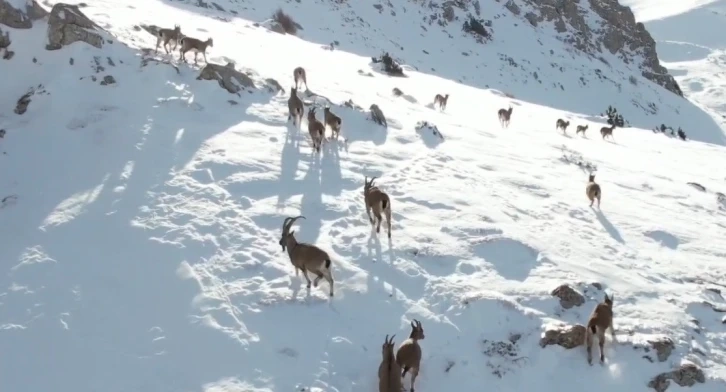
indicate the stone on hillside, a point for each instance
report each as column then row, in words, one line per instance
column 567, row 337
column 228, row 78
column 568, row 296
column 686, row 376
column 67, row 24
column 663, row 348
column 20, row 18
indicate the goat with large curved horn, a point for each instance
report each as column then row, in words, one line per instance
column 306, row 257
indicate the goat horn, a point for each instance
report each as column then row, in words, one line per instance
column 292, row 221
column 391, row 340
column 284, row 225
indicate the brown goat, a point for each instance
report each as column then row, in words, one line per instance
column 165, row 36
column 300, row 76
column 332, row 121
column 581, row 128
column 600, row 320
column 593, row 190
column 441, row 100
column 607, row 131
column 196, row 46
column 306, row 257
column 295, row 107
column 389, row 379
column 504, row 116
column 379, row 202
column 562, row 124
column 409, row 352
column 316, row 129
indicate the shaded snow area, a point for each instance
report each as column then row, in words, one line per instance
column 142, row 207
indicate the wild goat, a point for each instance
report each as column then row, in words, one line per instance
column 166, row 35
column 295, row 107
column 196, row 46
column 441, row 101
column 607, row 131
column 332, row 121
column 378, row 201
column 299, row 75
column 581, row 128
column 505, row 115
column 377, row 115
column 306, row 257
column 600, row 320
column 409, row 353
column 389, row 379
column 316, row 129
column 593, row 190
column 562, row 124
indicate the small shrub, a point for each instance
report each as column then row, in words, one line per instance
column 633, row 80
column 474, row 26
column 673, row 133
column 285, row 21
column 390, row 66
column 614, row 118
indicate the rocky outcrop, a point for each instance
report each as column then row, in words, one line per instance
column 568, row 296
column 227, row 76
column 618, row 33
column 686, row 376
column 67, row 24
column 20, row 18
column 567, row 337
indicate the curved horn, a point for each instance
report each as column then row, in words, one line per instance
column 390, row 341
column 292, row 221
column 284, row 225
column 371, row 181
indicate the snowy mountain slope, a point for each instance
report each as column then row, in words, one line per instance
column 140, row 252
column 534, row 64
column 690, row 41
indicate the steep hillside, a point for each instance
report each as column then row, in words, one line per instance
column 142, row 209
column 691, row 41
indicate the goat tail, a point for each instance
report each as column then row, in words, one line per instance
column 593, row 328
column 384, row 204
column 327, row 263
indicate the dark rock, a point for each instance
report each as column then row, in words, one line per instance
column 228, row 78
column 567, row 337
column 568, row 296
column 377, row 115
column 686, row 376
column 67, row 24
column 108, row 79
column 663, row 348
column 20, row 18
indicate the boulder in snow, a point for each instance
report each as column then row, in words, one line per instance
column 686, row 375
column 567, row 337
column 67, row 24
column 228, row 78
column 19, row 14
column 568, row 296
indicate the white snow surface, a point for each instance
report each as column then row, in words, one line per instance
column 141, row 220
column 690, row 37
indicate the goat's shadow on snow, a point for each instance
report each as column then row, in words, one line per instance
column 608, row 226
column 289, row 159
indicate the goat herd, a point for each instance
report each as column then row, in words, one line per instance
column 310, row 258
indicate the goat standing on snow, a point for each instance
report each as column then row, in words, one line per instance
column 409, row 353
column 306, row 257
column 389, row 373
column 504, row 116
column 600, row 320
column 379, row 202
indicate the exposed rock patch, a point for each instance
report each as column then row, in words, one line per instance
column 20, row 18
column 568, row 296
column 686, row 376
column 567, row 337
column 67, row 24
column 227, row 76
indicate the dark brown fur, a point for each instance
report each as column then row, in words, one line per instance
column 600, row 320
column 295, row 107
column 581, row 128
column 504, row 116
column 409, row 353
column 562, row 124
column 389, row 379
column 316, row 129
column 332, row 121
column 607, row 131
column 379, row 202
column 306, row 257
column 441, row 100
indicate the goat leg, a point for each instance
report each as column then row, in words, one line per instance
column 305, row 274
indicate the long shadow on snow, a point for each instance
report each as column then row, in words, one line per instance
column 110, row 300
column 419, row 55
column 608, row 226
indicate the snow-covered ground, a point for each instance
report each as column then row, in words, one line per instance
column 141, row 220
column 691, row 43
